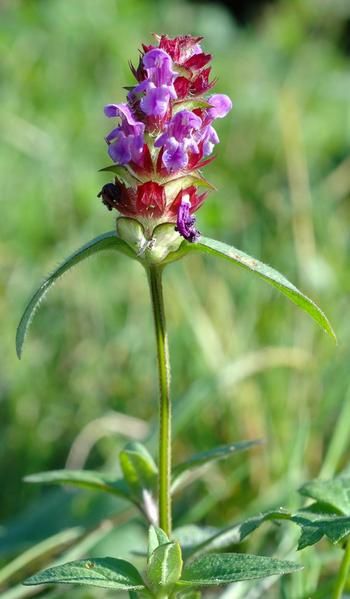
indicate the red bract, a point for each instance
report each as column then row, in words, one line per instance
column 150, row 199
column 191, row 195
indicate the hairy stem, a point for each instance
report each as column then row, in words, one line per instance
column 164, row 456
column 343, row 573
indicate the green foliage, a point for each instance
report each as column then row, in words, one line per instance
column 334, row 492
column 223, row 568
column 212, row 455
column 139, row 469
column 314, row 526
column 82, row 478
column 107, row 572
column 327, row 516
column 156, row 537
column 138, row 485
column 106, row 241
column 164, row 570
column 272, row 276
column 203, row 540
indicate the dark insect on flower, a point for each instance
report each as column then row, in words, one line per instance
column 111, row 195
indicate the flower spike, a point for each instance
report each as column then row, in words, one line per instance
column 164, row 133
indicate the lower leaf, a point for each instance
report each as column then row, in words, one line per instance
column 224, row 568
column 107, row 572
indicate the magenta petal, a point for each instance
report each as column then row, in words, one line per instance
column 156, row 101
column 156, row 58
column 174, row 158
column 183, row 123
column 221, row 105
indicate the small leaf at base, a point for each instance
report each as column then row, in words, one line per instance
column 165, row 565
column 156, row 537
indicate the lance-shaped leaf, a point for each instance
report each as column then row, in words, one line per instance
column 107, row 572
column 107, row 241
column 86, row 479
column 212, row 455
column 197, row 540
column 272, row 276
column 224, row 568
column 334, row 492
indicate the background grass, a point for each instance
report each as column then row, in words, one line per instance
column 246, row 363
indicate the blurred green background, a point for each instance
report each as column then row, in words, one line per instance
column 246, row 363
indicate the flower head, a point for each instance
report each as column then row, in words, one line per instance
column 163, row 135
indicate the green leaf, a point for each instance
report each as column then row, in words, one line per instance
column 156, row 537
column 205, row 541
column 86, row 479
column 107, row 241
column 139, row 468
column 107, row 572
column 224, row 568
column 272, row 276
column 315, row 526
column 165, row 565
column 217, row 453
column 334, row 492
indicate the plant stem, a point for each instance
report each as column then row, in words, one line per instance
column 343, row 573
column 164, row 456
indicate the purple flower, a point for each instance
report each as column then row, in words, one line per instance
column 160, row 143
column 156, row 101
column 185, row 223
column 179, row 139
column 220, row 106
column 125, row 141
column 209, row 138
column 159, row 85
column 158, row 65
